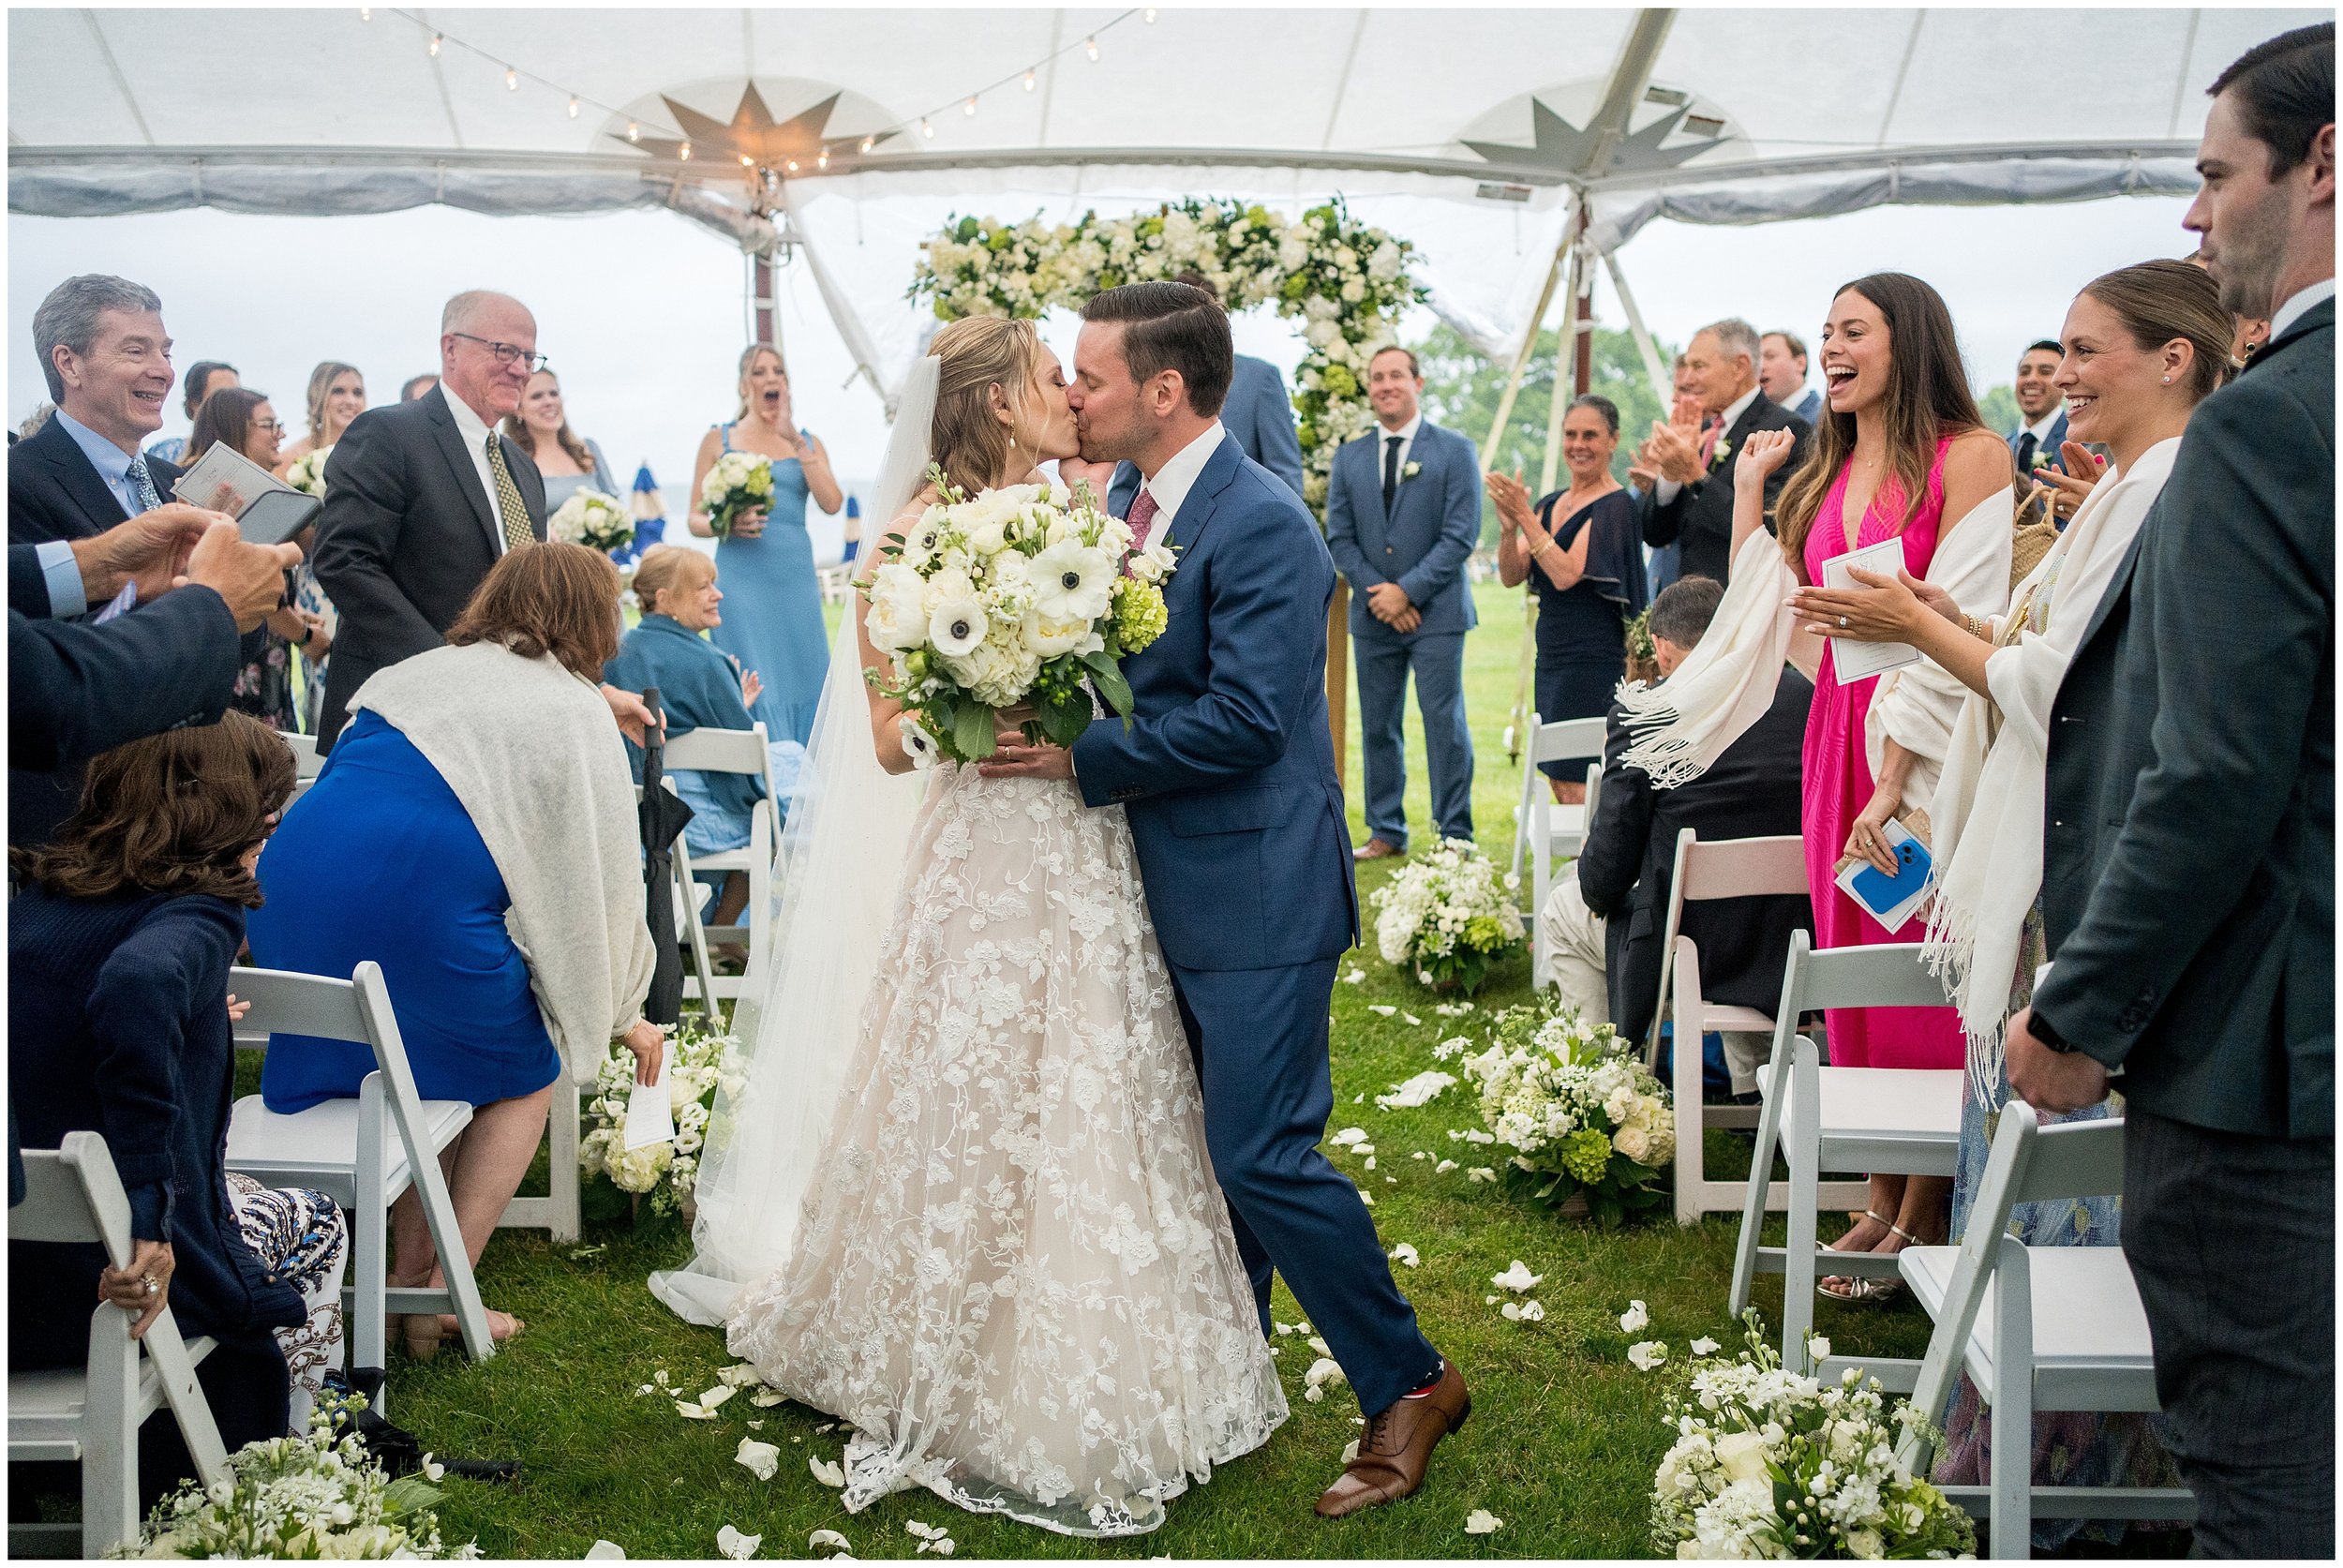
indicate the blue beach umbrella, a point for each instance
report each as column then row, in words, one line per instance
column 650, row 518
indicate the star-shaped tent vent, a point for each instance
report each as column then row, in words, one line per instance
column 752, row 134
column 1563, row 147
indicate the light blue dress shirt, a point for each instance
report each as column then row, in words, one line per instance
column 62, row 575
column 111, row 463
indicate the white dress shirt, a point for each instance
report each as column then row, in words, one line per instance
column 1178, row 475
column 2298, row 303
column 2041, row 428
column 1731, row 417
column 475, row 437
column 1407, row 446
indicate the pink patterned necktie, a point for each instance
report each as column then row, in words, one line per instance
column 1141, row 520
column 1709, row 435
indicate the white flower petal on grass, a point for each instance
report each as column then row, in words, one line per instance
column 766, row 1399
column 1481, row 1173
column 1424, row 1088
column 647, row 1388
column 1482, row 1522
column 1324, row 1372
column 736, row 1545
column 1635, row 1319
column 1523, row 1312
column 1412, row 1019
column 1488, row 1301
column 659, row 1377
column 1349, row 1136
column 1318, row 1344
column 739, row 1374
column 606, row 1551
column 826, row 1472
column 1704, row 1345
column 432, row 1469
column 1370, row 1162
column 716, row 1395
column 924, row 1532
column 1351, row 1452
column 760, row 1460
column 1356, row 977
column 1381, row 1009
column 821, row 1538
column 826, row 1426
column 691, row 1411
column 1405, row 1255
column 1648, row 1354
column 1368, row 1198
column 1518, row 1278
column 1444, row 1167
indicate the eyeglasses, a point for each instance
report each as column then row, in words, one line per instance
column 269, row 425
column 506, row 353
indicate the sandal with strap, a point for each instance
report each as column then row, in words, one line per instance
column 1865, row 1287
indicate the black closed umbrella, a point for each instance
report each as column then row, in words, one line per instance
column 662, row 816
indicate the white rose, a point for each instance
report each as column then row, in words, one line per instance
column 1741, row 1456
column 948, row 584
column 898, row 617
column 1154, row 564
column 1634, row 1142
column 1048, row 638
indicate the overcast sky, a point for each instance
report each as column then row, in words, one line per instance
column 642, row 312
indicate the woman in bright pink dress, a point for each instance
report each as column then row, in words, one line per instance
column 1900, row 454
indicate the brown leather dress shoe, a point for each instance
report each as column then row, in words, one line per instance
column 1377, row 849
column 1398, row 1448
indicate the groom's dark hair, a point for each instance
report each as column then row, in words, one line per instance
column 1172, row 326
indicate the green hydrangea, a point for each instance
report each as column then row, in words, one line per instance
column 1587, row 1155
column 1139, row 615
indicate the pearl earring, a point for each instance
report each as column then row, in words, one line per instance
column 2168, row 380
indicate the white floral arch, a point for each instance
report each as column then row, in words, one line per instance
column 1345, row 282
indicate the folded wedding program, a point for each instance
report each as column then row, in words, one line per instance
column 1859, row 661
column 266, row 509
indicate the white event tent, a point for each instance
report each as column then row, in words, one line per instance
column 1513, row 146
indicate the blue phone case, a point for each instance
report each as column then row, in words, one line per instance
column 1882, row 892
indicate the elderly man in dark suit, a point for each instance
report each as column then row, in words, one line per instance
column 2189, row 889
column 106, row 360
column 1691, row 504
column 1403, row 514
column 1603, row 927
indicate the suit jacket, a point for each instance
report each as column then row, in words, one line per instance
column 2057, row 434
column 1809, row 407
column 1699, row 520
column 1628, row 867
column 2188, row 877
column 55, row 492
column 1227, row 768
column 1258, row 413
column 406, row 535
column 1431, row 530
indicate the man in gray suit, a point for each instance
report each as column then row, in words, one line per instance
column 2188, row 883
column 1403, row 513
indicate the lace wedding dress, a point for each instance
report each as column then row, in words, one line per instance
column 1012, row 1272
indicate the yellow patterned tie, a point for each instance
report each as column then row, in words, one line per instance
column 516, row 515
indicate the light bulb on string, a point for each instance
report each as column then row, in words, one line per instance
column 793, row 166
column 366, row 13
column 869, row 142
column 433, row 49
column 634, row 131
column 511, row 80
column 1150, row 14
column 969, row 107
column 1090, row 46
column 927, row 131
column 683, row 154
column 573, row 106
column 823, row 161
column 1029, row 82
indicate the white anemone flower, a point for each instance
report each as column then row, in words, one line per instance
column 956, row 626
column 1073, row 582
column 919, row 745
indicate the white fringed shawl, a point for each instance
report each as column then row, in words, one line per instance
column 1988, row 809
column 1681, row 725
column 533, row 754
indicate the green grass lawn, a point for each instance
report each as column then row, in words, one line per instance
column 1561, row 1446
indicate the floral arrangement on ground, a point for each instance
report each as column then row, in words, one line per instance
column 1579, row 1112
column 316, row 1496
column 1346, row 282
column 700, row 1062
column 1446, row 915
column 1769, row 1463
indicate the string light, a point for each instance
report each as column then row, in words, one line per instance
column 1090, row 46
column 969, row 107
column 573, row 106
column 634, row 131
column 869, row 142
column 1029, row 82
column 747, row 162
column 1151, row 15
column 435, row 40
column 683, row 154
column 366, row 13
column 511, row 80
column 823, row 161
column 792, row 166
column 927, row 131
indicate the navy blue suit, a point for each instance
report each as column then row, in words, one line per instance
column 1422, row 545
column 1258, row 413
column 1227, row 773
column 2025, row 460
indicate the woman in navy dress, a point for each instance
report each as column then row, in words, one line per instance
column 773, row 625
column 1582, row 557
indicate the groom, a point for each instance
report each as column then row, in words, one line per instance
column 1227, row 772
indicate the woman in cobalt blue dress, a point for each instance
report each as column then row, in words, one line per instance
column 773, row 624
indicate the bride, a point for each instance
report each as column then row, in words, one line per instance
column 961, row 1198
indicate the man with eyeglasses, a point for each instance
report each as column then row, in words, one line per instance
column 423, row 497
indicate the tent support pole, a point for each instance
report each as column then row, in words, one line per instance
column 1529, row 337
column 763, row 298
column 1662, row 385
column 1572, row 366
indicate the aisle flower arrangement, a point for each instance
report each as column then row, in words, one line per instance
column 1446, row 915
column 1768, row 1463
column 591, row 518
column 664, row 1172
column 737, row 482
column 1345, row 282
column 308, row 474
column 1026, row 595
column 310, row 1497
column 1570, row 1099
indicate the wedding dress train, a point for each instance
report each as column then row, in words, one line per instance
column 1012, row 1272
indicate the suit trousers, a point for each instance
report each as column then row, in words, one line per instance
column 1578, row 958
column 2230, row 1237
column 1259, row 1040
column 1438, row 661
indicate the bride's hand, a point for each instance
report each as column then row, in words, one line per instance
column 1014, row 759
column 1097, row 476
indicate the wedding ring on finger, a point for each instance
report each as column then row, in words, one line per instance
column 1842, row 623
column 153, row 1286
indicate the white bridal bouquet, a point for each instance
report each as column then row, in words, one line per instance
column 698, row 1063
column 738, row 482
column 1769, row 1463
column 1576, row 1106
column 591, row 518
column 1026, row 594
column 308, row 474
column 315, row 1496
column 1448, row 914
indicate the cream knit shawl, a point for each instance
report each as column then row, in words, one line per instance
column 533, row 754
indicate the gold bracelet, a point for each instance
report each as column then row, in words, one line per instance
column 1540, row 547
column 1976, row 628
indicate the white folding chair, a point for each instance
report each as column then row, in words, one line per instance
column 93, row 1414
column 1898, row 1121
column 2054, row 1328
column 1565, row 825
column 1720, row 869
column 365, row 1153
column 307, row 763
column 730, row 751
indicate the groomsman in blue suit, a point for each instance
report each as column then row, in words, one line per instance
column 1403, row 514
column 2035, row 445
column 1257, row 413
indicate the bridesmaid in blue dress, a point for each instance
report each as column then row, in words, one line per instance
column 772, row 620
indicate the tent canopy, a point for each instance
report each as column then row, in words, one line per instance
column 1474, row 132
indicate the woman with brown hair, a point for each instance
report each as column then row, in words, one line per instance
column 246, row 423
column 337, row 395
column 119, row 955
column 775, row 627
column 568, row 461
column 474, row 833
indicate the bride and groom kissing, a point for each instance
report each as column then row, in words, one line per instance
column 1033, row 1105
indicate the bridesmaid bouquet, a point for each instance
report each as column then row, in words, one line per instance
column 308, row 474
column 1029, row 594
column 738, row 482
column 591, row 518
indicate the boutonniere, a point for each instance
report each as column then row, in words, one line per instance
column 1723, row 450
column 2042, row 458
column 1410, row 470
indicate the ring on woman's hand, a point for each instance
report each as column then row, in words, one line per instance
column 153, row 1286
column 1842, row 623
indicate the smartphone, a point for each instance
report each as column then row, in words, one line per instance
column 276, row 515
column 1878, row 890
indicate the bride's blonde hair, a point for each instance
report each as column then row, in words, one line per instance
column 968, row 440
